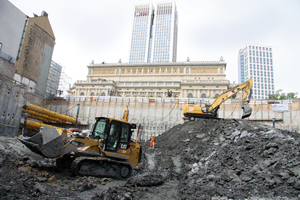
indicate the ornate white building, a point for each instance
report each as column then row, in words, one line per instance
column 184, row 79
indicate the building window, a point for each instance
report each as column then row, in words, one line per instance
column 190, row 95
column 81, row 94
column 203, row 95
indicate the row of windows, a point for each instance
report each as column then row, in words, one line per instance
column 261, row 79
column 261, row 67
column 263, row 86
column 262, row 92
column 164, row 12
column 261, row 54
column 261, row 61
column 139, row 35
column 137, row 49
column 260, row 48
column 261, row 73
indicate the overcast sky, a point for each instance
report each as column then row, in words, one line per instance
column 100, row 30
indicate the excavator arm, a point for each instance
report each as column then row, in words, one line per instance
column 247, row 86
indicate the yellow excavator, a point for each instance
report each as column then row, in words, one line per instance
column 109, row 150
column 192, row 111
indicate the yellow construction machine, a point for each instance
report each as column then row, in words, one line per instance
column 192, row 111
column 109, row 150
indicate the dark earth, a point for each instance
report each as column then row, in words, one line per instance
column 206, row 159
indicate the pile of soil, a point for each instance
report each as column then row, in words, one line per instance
column 205, row 159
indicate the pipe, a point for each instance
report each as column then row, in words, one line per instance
column 42, row 117
column 50, row 113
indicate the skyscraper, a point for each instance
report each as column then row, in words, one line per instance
column 256, row 62
column 154, row 33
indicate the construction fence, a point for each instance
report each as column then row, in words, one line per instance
column 157, row 115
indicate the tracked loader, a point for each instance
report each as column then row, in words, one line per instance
column 109, row 151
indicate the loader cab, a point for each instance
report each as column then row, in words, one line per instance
column 115, row 133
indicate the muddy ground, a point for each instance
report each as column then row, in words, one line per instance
column 205, row 159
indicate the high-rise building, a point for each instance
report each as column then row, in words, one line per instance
column 256, row 62
column 154, row 33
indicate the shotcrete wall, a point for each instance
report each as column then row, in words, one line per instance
column 157, row 115
column 11, row 100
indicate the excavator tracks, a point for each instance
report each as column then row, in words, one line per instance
column 101, row 167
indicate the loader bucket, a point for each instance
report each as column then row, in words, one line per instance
column 47, row 143
column 247, row 110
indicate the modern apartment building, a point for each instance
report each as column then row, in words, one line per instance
column 154, row 33
column 256, row 62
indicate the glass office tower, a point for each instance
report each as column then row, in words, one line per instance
column 256, row 62
column 154, row 33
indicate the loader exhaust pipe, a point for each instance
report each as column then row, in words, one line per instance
column 247, row 111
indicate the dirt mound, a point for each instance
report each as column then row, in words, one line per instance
column 205, row 159
column 228, row 158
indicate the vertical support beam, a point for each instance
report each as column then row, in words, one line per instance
column 77, row 116
column 262, row 110
column 291, row 114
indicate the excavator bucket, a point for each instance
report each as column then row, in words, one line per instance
column 247, row 110
column 47, row 143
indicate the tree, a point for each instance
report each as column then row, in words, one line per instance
column 292, row 95
column 280, row 95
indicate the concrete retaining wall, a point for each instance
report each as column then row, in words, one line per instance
column 11, row 100
column 157, row 115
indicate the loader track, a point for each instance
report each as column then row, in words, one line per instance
column 101, row 167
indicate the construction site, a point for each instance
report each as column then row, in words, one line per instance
column 140, row 130
column 222, row 157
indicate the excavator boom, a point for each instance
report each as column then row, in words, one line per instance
column 192, row 111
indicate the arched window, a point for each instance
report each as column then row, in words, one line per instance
column 102, row 94
column 203, row 95
column 92, row 94
column 190, row 95
column 216, row 95
column 81, row 94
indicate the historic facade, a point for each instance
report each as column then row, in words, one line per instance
column 183, row 79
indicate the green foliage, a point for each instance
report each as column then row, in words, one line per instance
column 280, row 95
